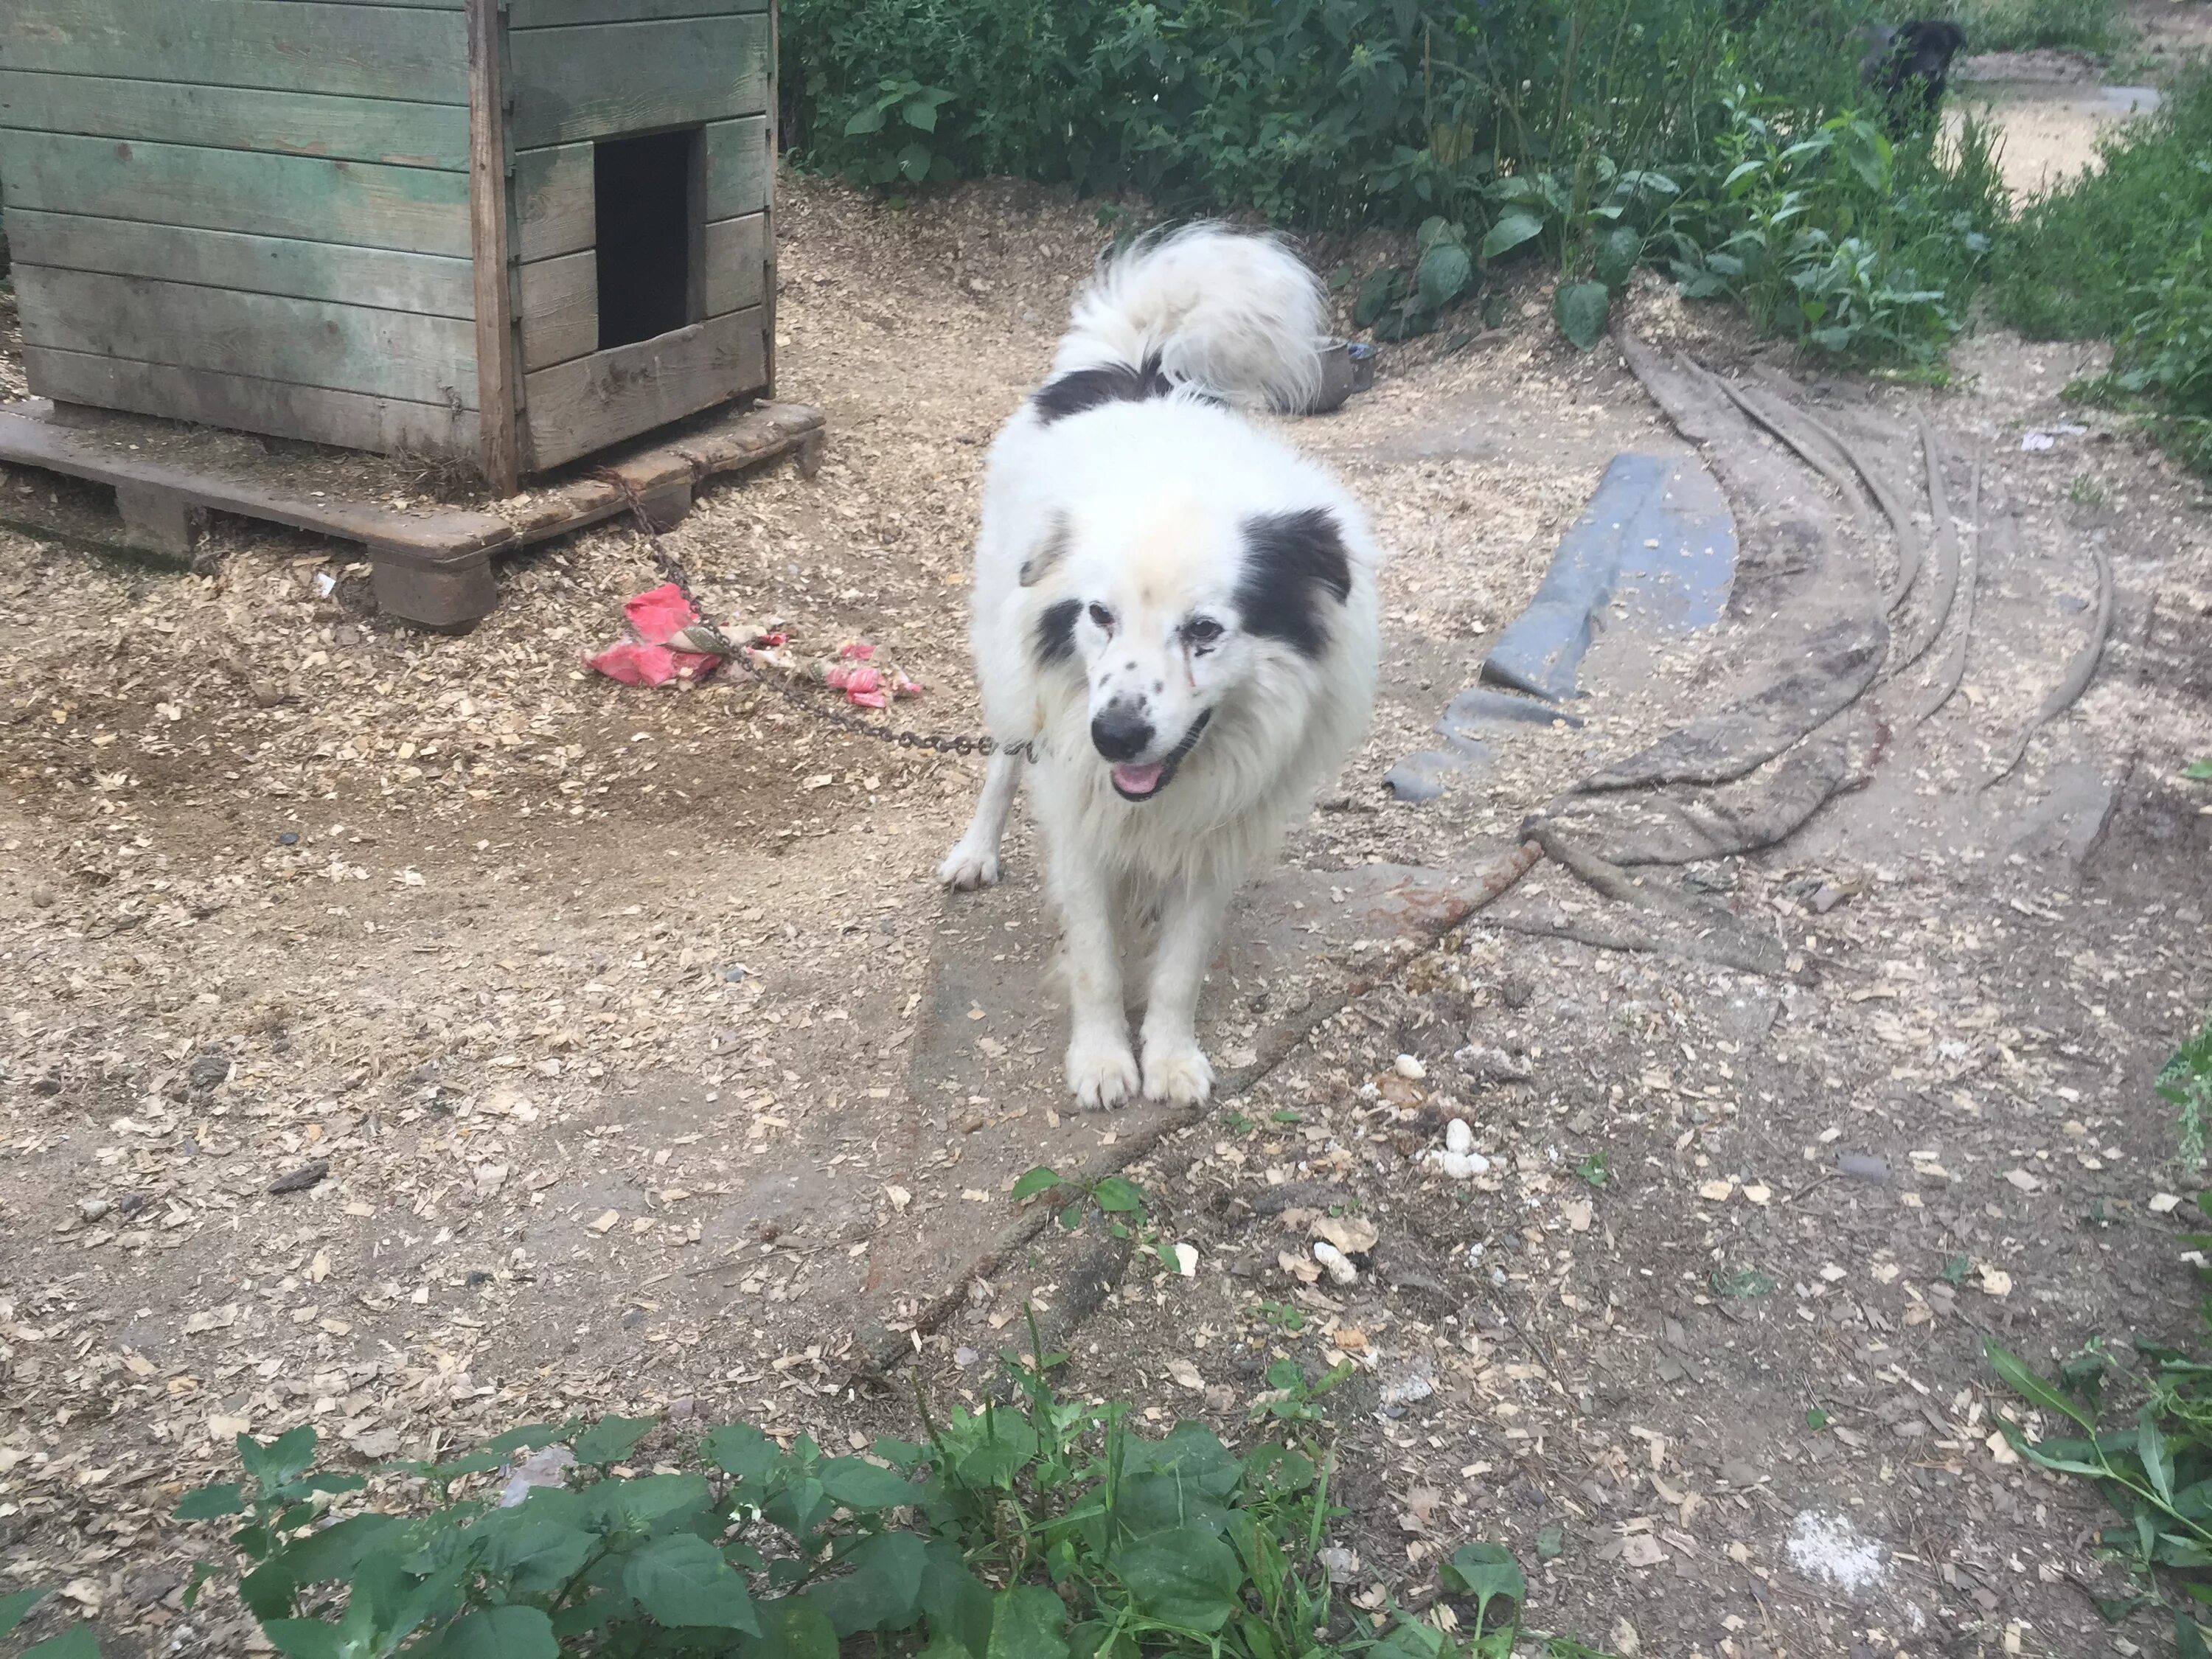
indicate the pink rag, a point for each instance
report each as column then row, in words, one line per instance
column 655, row 617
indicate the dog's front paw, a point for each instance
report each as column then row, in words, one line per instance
column 1102, row 1072
column 1177, row 1071
column 968, row 867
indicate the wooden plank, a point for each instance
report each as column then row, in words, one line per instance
column 564, row 14
column 740, row 166
column 560, row 309
column 356, row 202
column 610, row 79
column 309, row 342
column 581, row 406
column 496, row 383
column 715, row 445
column 810, row 457
column 552, row 192
column 415, row 53
column 431, row 284
column 737, row 263
column 345, row 418
column 406, row 135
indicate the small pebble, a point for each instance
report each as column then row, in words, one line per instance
column 93, row 1208
column 1458, row 1138
column 1407, row 1067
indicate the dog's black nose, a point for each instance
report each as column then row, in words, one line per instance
column 1120, row 732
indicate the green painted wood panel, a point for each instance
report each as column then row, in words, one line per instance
column 560, row 312
column 425, row 283
column 603, row 79
column 345, row 418
column 552, row 188
column 737, row 263
column 358, row 202
column 552, row 195
column 559, row 14
column 387, row 354
column 740, row 166
column 577, row 407
column 233, row 117
column 416, row 53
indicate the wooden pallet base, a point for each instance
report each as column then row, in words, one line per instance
column 431, row 566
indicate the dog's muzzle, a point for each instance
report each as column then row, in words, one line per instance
column 1143, row 782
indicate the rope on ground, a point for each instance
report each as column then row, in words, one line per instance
column 1811, row 453
column 1945, row 582
column 879, row 1349
column 1900, row 520
column 2079, row 672
column 1954, row 671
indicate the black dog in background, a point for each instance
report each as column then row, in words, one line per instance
column 1911, row 65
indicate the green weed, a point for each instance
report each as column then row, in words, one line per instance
column 2024, row 24
column 2162, row 359
column 75, row 1643
column 1049, row 1529
column 2185, row 1082
column 2156, row 1472
column 2075, row 263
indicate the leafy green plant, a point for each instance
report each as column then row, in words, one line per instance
column 1398, row 302
column 75, row 1643
column 2185, row 1082
column 2073, row 264
column 2156, row 1473
column 2162, row 359
column 2025, row 24
column 1048, row 1529
column 1832, row 234
column 1742, row 1283
column 1115, row 1197
column 899, row 107
column 1291, row 1398
column 1594, row 1170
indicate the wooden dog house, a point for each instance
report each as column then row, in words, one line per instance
column 509, row 231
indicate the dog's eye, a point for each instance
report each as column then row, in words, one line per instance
column 1101, row 617
column 1201, row 630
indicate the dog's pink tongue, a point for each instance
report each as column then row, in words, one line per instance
column 1137, row 780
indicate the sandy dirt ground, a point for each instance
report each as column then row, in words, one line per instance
column 638, row 1065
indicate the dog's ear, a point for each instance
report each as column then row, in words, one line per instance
column 1049, row 552
column 1295, row 563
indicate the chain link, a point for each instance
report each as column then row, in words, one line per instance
column 705, row 632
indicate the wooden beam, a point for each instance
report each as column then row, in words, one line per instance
column 773, row 146
column 348, row 419
column 500, row 454
column 227, row 331
column 423, row 284
column 300, row 45
column 359, row 204
column 334, row 128
column 613, row 80
column 577, row 407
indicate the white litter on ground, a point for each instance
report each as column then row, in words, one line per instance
column 1829, row 1547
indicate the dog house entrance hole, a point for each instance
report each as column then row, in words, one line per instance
column 647, row 233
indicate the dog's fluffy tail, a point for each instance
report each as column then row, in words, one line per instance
column 1240, row 316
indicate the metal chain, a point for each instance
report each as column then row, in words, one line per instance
column 705, row 633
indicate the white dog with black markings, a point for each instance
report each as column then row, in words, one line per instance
column 1179, row 612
